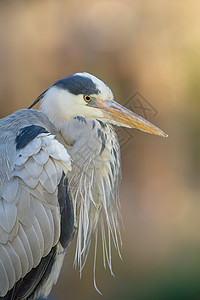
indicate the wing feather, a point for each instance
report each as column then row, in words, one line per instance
column 32, row 148
column 14, row 251
column 48, row 177
column 33, row 168
column 56, row 221
column 8, row 265
column 43, row 196
column 34, row 245
column 10, row 190
column 27, row 247
column 26, row 177
column 22, row 253
column 53, row 238
column 21, row 160
column 23, row 207
column 29, row 208
column 25, row 252
column 8, row 215
column 39, row 234
column 42, row 216
column 3, row 279
column 41, row 157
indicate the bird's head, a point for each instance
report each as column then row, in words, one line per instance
column 83, row 94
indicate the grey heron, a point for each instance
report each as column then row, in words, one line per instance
column 59, row 175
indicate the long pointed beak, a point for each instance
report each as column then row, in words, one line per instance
column 122, row 116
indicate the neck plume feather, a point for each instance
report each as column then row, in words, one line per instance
column 94, row 184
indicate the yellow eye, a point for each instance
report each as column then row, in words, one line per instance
column 87, row 98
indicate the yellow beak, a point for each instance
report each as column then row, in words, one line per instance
column 122, row 116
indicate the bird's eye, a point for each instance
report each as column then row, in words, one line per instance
column 87, row 98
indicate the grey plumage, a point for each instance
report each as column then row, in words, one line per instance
column 96, row 182
column 59, row 176
column 30, row 221
column 29, row 197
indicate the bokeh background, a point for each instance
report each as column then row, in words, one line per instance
column 150, row 47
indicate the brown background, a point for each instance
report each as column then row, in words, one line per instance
column 146, row 46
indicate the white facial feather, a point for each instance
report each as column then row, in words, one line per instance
column 60, row 106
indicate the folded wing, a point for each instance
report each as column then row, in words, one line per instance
column 29, row 208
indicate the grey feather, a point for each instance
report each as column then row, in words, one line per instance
column 45, row 226
column 8, row 265
column 29, row 212
column 25, row 176
column 21, row 160
column 17, row 258
column 22, row 253
column 10, row 190
column 39, row 234
column 27, row 247
column 48, row 177
column 32, row 148
column 3, row 279
column 41, row 158
column 94, row 184
column 34, row 245
column 8, row 215
column 38, row 166
column 33, row 168
column 24, row 207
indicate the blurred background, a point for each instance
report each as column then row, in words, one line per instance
column 148, row 52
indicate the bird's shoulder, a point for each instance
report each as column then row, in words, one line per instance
column 17, row 131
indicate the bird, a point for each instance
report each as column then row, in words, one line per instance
column 59, row 180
